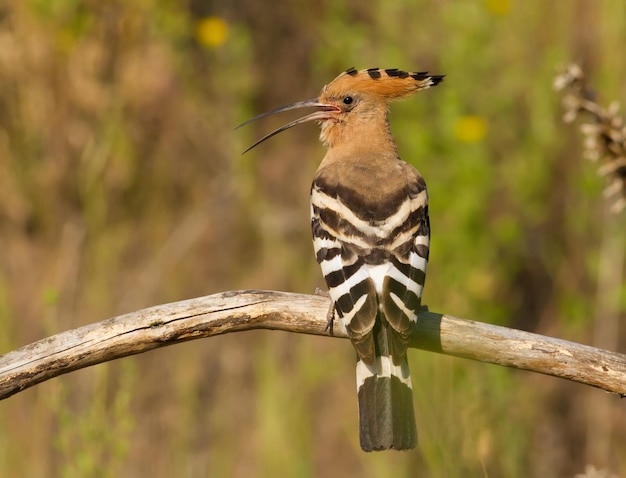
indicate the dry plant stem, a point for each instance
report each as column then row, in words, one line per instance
column 604, row 134
column 605, row 333
column 237, row 311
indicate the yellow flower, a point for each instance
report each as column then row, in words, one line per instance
column 498, row 7
column 212, row 31
column 470, row 129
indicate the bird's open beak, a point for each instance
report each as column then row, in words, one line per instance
column 325, row 112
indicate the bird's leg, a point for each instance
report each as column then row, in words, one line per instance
column 330, row 315
column 330, row 319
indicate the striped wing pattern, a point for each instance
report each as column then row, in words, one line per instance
column 373, row 258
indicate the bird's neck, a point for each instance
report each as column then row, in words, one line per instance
column 371, row 134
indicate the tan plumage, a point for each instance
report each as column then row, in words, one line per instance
column 369, row 218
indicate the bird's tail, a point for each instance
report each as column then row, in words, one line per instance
column 386, row 417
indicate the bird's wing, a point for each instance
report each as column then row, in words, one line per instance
column 347, row 276
column 404, row 281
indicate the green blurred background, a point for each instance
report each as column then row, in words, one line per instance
column 122, row 186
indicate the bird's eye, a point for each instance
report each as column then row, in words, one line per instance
column 348, row 100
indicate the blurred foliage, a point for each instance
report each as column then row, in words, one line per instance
column 122, row 186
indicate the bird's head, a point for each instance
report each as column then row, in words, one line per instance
column 354, row 96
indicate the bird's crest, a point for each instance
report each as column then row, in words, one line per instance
column 386, row 83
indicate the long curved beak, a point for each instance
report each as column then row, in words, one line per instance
column 322, row 114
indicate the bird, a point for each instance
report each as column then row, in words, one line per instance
column 371, row 237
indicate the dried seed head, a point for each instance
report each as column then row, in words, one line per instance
column 603, row 131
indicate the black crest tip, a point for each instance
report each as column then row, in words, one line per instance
column 420, row 75
column 436, row 79
column 374, row 73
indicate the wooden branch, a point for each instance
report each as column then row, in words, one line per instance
column 237, row 311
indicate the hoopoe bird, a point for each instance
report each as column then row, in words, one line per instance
column 371, row 235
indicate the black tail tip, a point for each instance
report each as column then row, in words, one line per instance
column 369, row 447
column 386, row 417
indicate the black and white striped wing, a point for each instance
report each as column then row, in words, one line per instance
column 350, row 286
column 373, row 268
column 404, row 280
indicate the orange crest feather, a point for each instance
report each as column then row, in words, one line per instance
column 390, row 83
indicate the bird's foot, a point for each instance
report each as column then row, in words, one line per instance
column 330, row 315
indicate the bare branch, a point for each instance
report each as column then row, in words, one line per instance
column 237, row 311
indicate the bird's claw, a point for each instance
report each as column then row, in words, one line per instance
column 330, row 315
